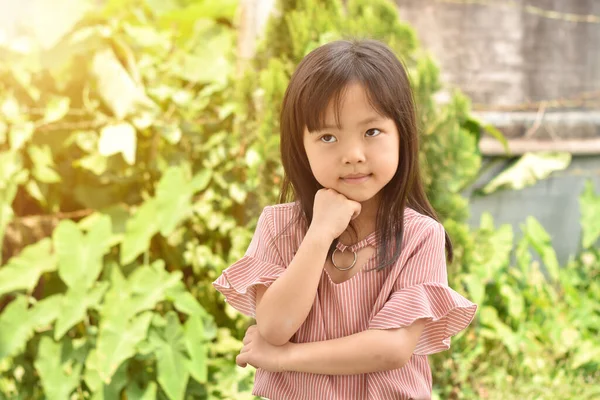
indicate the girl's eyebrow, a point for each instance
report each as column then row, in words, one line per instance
column 366, row 121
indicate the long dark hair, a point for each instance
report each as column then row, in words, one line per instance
column 321, row 78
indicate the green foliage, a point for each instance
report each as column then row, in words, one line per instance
column 529, row 169
column 134, row 164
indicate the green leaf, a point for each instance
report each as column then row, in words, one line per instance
column 149, row 284
column 23, row 271
column 113, row 389
column 75, row 304
column 117, row 342
column 43, row 164
column 589, row 204
column 529, row 169
column 540, row 240
column 140, row 229
column 237, row 193
column 10, row 110
column 58, row 378
column 587, row 351
column 134, row 392
column 173, row 200
column 20, row 134
column 515, row 301
column 56, row 109
column 172, row 363
column 50, row 21
column 185, row 302
column 95, row 163
column 493, row 131
column 117, row 89
column 171, row 133
column 45, row 311
column 120, row 138
column 197, row 348
column 475, row 287
column 15, row 328
column 201, row 180
column 80, row 257
column 210, row 64
column 34, row 189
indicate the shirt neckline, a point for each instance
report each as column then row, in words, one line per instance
column 369, row 240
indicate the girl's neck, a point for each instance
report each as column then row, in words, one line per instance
column 365, row 223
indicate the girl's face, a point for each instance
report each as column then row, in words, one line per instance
column 367, row 144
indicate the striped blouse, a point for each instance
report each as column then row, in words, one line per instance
column 415, row 287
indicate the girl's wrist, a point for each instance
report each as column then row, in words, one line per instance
column 287, row 357
column 319, row 235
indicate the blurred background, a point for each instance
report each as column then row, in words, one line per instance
column 139, row 142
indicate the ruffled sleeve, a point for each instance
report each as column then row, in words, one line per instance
column 261, row 265
column 421, row 291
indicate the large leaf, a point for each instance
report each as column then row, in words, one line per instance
column 172, row 363
column 529, row 169
column 210, row 64
column 135, row 392
column 58, row 382
column 149, row 284
column 74, row 305
column 102, row 390
column 45, row 312
column 51, row 20
column 23, row 271
column 15, row 327
column 173, row 199
column 119, row 138
column 540, row 240
column 80, row 256
column 197, row 347
column 140, row 229
column 117, row 342
column 117, row 89
column 589, row 204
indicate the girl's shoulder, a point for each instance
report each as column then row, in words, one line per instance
column 284, row 216
column 415, row 222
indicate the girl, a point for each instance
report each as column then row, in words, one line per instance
column 348, row 283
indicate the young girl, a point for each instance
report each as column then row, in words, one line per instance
column 348, row 283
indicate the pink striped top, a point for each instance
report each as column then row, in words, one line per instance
column 415, row 287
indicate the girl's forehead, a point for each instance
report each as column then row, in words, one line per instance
column 352, row 105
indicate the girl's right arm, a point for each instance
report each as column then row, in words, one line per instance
column 283, row 307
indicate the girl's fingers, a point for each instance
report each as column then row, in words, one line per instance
column 244, row 349
column 246, row 339
column 241, row 360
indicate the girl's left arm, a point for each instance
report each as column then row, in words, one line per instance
column 372, row 350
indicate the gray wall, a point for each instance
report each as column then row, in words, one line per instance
column 504, row 55
column 554, row 202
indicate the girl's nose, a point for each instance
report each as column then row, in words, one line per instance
column 354, row 154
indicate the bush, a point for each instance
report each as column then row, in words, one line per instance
column 134, row 162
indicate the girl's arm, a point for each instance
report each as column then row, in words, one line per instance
column 282, row 307
column 368, row 351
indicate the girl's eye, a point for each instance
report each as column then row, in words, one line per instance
column 377, row 132
column 327, row 136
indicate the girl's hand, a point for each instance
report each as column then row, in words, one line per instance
column 332, row 212
column 261, row 354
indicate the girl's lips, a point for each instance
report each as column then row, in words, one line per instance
column 356, row 180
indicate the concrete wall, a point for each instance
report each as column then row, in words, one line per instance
column 554, row 202
column 503, row 55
